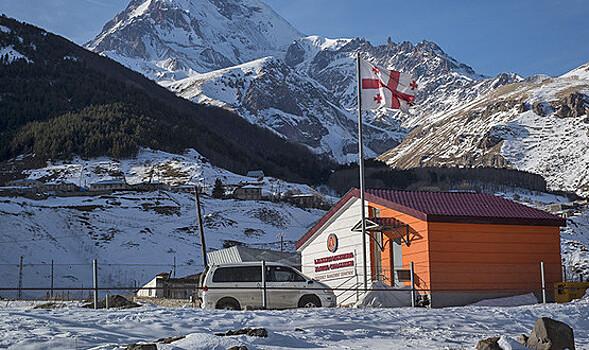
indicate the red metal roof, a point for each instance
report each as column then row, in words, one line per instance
column 455, row 207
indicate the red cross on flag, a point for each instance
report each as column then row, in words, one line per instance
column 386, row 88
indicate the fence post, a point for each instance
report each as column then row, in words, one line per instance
column 52, row 279
column 264, row 300
column 412, row 285
column 543, row 282
column 20, row 278
column 106, row 301
column 95, row 281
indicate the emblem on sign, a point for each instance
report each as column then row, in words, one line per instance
column 332, row 243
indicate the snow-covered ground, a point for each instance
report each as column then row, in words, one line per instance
column 21, row 327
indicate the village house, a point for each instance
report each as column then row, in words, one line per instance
column 248, row 192
column 307, row 200
column 61, row 186
column 151, row 186
column 24, row 183
column 257, row 174
column 110, row 185
column 464, row 247
column 164, row 286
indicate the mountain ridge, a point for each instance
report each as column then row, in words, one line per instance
column 59, row 77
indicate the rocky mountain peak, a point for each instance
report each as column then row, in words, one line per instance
column 167, row 39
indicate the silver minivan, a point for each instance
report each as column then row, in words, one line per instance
column 239, row 286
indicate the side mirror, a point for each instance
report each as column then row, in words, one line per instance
column 310, row 282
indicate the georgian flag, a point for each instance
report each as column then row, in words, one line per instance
column 386, row 88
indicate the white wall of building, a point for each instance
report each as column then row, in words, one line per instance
column 348, row 242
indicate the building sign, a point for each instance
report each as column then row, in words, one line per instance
column 332, row 243
column 334, row 262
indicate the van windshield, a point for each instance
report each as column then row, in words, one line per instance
column 238, row 274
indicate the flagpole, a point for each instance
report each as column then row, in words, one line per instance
column 361, row 163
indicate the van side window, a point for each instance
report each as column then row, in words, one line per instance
column 284, row 274
column 238, row 274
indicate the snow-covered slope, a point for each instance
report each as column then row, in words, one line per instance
column 536, row 125
column 136, row 235
column 170, row 39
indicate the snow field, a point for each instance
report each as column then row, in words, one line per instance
column 402, row 328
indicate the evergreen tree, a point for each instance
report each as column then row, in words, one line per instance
column 219, row 189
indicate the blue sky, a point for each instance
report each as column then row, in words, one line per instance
column 523, row 36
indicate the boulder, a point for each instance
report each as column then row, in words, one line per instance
column 115, row 301
column 169, row 339
column 549, row 334
column 141, row 347
column 253, row 332
column 489, row 344
column 241, row 347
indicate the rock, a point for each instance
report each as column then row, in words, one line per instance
column 299, row 330
column 48, row 306
column 549, row 334
column 489, row 344
column 169, row 339
column 253, row 332
column 241, row 347
column 114, row 301
column 522, row 339
column 141, row 347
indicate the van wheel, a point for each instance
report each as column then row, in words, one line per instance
column 228, row 304
column 309, row 301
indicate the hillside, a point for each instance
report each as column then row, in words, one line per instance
column 537, row 125
column 138, row 234
column 58, row 99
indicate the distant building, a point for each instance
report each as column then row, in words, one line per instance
column 110, row 185
column 307, row 200
column 560, row 207
column 244, row 254
column 248, row 192
column 61, row 186
column 258, row 174
column 164, row 286
column 183, row 188
column 24, row 183
column 151, row 186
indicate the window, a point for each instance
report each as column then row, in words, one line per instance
column 283, row 274
column 238, row 274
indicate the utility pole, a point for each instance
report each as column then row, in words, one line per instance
column 281, row 235
column 174, row 275
column 201, row 229
column 20, row 278
column 95, row 282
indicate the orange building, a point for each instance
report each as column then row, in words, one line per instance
column 465, row 247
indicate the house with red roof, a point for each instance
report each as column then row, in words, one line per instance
column 464, row 246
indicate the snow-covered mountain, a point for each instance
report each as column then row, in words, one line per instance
column 305, row 91
column 171, row 39
column 302, row 88
column 540, row 125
